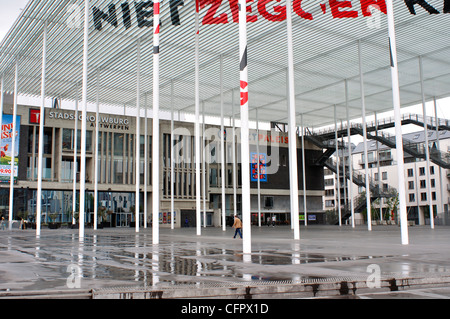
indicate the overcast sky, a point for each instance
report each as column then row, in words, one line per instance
column 9, row 11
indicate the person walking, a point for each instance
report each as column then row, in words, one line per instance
column 238, row 226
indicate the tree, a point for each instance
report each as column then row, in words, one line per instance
column 392, row 204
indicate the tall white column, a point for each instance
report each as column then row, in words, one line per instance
column 259, row 169
column 344, row 179
column 155, row 134
column 338, row 160
column 398, row 124
column 75, row 161
column 137, row 158
column 172, row 160
column 145, row 164
column 83, row 120
column 380, row 184
column 97, row 122
column 440, row 204
column 41, row 132
column 293, row 163
column 366, row 160
column 233, row 154
column 203, row 165
column 197, row 123
column 13, row 145
column 305, row 210
column 350, row 158
column 291, row 198
column 427, row 143
column 245, row 154
column 222, row 147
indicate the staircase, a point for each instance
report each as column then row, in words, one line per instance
column 359, row 179
column 441, row 159
column 416, row 150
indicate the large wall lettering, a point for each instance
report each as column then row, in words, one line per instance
column 227, row 11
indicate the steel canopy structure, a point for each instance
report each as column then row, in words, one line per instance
column 325, row 54
column 343, row 53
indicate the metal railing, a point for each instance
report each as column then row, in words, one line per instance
column 431, row 122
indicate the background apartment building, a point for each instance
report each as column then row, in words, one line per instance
column 422, row 190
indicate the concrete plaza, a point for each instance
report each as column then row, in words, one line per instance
column 120, row 257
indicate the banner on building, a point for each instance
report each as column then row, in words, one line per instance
column 255, row 160
column 6, row 150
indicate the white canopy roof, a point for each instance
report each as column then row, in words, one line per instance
column 325, row 50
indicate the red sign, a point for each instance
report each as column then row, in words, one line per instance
column 35, row 116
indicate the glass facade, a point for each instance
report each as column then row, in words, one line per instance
column 115, row 209
column 116, row 162
column 116, row 167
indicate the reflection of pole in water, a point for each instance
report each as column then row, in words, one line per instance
column 136, row 258
column 94, row 258
column 172, row 259
column 296, row 254
column 155, row 265
column 37, row 249
column 247, row 258
column 198, row 253
column 81, row 256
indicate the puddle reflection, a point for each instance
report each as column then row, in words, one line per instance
column 120, row 260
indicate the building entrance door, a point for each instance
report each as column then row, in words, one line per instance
column 123, row 219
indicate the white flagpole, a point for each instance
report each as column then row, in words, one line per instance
column 245, row 160
column 398, row 124
column 41, row 133
column 293, row 163
column 155, row 138
column 197, row 124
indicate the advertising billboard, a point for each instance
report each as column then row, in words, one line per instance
column 255, row 160
column 6, row 151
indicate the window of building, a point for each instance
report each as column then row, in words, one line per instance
column 423, row 196
column 412, row 197
column 329, row 203
column 410, row 185
column 118, row 144
column 329, row 192
column 384, row 176
column 433, row 195
column 421, row 171
column 213, row 177
column 329, row 182
column 385, row 155
column 410, row 172
column 431, row 170
column 268, row 201
column 433, row 182
column 68, row 142
column 423, row 183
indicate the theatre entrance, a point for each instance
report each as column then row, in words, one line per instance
column 123, row 219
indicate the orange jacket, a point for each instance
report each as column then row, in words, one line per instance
column 237, row 223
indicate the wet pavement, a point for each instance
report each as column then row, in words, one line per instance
column 120, row 257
